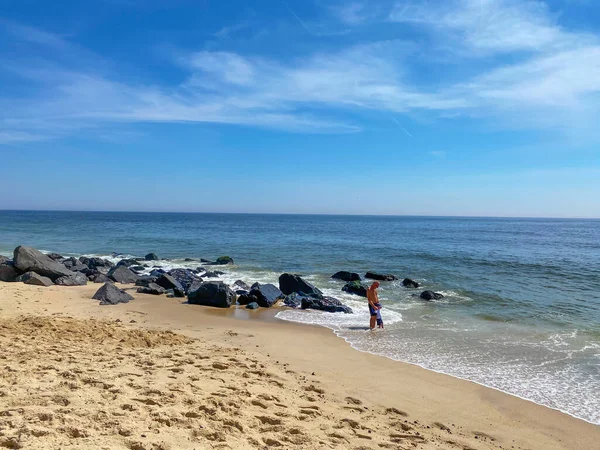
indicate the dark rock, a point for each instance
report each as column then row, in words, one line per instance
column 137, row 268
column 79, row 267
column 56, row 257
column 8, row 272
column 185, row 277
column 4, row 259
column 246, row 298
column 346, row 276
column 128, row 262
column 169, row 282
column 99, row 264
column 157, row 272
column 289, row 283
column 152, row 289
column 380, row 277
column 223, row 261
column 208, row 274
column 78, row 279
column 328, row 304
column 239, row 284
column 252, row 305
column 151, row 257
column 293, row 300
column 356, row 288
column 145, row 281
column 100, row 278
column 407, row 282
column 29, row 259
column 430, row 295
column 266, row 294
column 212, row 293
column 202, row 260
column 35, row 279
column 109, row 294
column 122, row 274
column 70, row 262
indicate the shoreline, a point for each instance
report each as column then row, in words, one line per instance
column 431, row 396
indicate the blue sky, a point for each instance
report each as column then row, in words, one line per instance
column 455, row 107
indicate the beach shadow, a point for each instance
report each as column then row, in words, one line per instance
column 358, row 328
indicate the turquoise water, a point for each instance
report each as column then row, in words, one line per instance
column 522, row 305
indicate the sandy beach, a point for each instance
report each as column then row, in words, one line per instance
column 159, row 374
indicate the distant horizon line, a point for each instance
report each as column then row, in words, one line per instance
column 299, row 214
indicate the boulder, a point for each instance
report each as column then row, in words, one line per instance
column 407, row 282
column 99, row 264
column 4, row 259
column 151, row 257
column 185, row 277
column 223, row 261
column 82, row 268
column 208, row 274
column 78, row 279
column 239, row 284
column 346, row 276
column 109, row 294
column 137, row 269
column 128, row 262
column 289, row 283
column 212, row 293
column 266, row 294
column 29, row 259
column 168, row 282
column 145, row 280
column 35, row 279
column 8, row 272
column 356, row 288
column 205, row 261
column 430, row 295
column 293, row 300
column 252, row 305
column 152, row 289
column 157, row 272
column 100, row 278
column 122, row 274
column 56, row 257
column 70, row 262
column 189, row 259
column 380, row 277
column 245, row 298
column 328, row 304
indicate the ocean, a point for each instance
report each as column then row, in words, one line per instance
column 521, row 306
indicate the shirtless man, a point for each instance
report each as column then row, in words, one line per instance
column 373, row 300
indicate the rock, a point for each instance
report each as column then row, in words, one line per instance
column 35, row 279
column 128, row 262
column 346, row 276
column 266, row 294
column 356, row 288
column 8, row 272
column 328, row 304
column 252, row 305
column 102, row 265
column 202, row 260
column 151, row 257
column 189, row 259
column 109, row 294
column 246, row 298
column 239, row 284
column 185, row 277
column 145, row 281
column 100, row 278
column 293, row 300
column 78, row 279
column 29, row 259
column 407, row 282
column 4, row 259
column 289, row 283
column 137, row 268
column 430, row 295
column 168, row 282
column 208, row 274
column 79, row 267
column 70, row 262
column 157, row 272
column 212, row 293
column 122, row 274
column 380, row 277
column 152, row 289
column 223, row 261
column 56, row 257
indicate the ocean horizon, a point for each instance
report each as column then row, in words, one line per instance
column 521, row 306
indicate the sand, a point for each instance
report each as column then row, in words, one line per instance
column 158, row 374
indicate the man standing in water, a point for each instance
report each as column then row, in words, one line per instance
column 374, row 306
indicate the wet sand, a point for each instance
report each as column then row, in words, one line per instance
column 158, row 374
